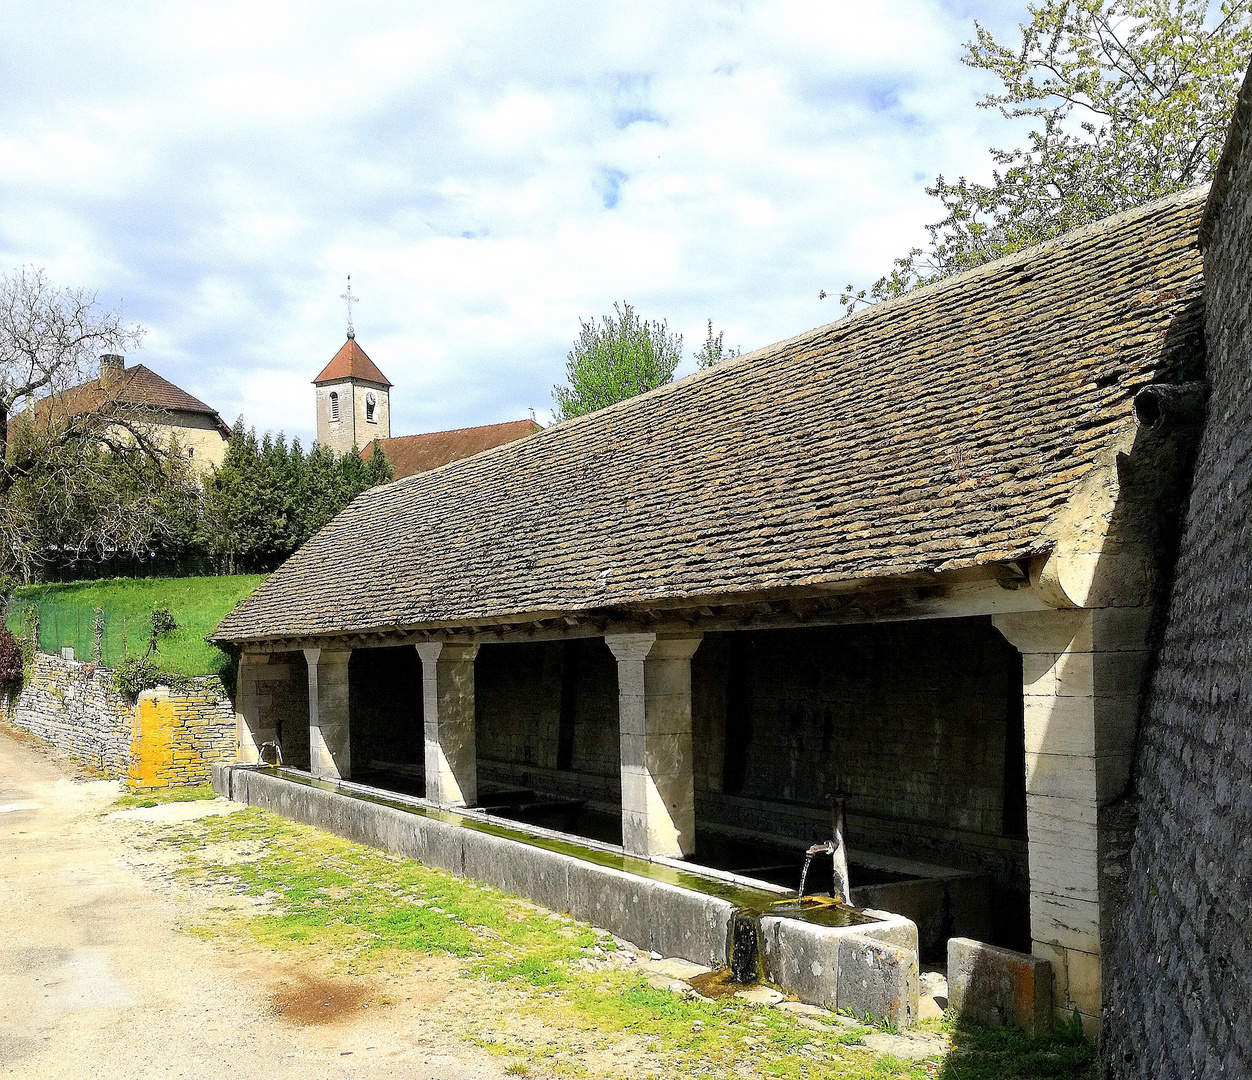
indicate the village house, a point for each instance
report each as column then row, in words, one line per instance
column 173, row 417
column 911, row 559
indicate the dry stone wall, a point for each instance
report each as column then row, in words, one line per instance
column 1179, row 976
column 165, row 739
column 75, row 707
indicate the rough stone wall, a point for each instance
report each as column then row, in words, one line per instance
column 1179, row 973
column 282, row 687
column 548, row 706
column 908, row 720
column 75, row 707
column 177, row 737
column 163, row 740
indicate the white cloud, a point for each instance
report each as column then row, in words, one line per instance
column 488, row 174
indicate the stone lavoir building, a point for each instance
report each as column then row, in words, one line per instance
column 916, row 559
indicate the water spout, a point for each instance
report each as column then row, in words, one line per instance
column 827, row 848
column 837, row 850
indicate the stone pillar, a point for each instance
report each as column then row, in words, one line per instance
column 658, row 778
column 329, row 744
column 1083, row 676
column 254, row 722
column 448, row 718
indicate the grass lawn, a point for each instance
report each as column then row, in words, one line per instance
column 67, row 613
column 555, row 1002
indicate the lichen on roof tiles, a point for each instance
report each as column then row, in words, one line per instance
column 940, row 430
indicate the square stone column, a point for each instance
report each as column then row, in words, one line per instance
column 448, row 719
column 329, row 745
column 254, row 722
column 1083, row 674
column 658, row 777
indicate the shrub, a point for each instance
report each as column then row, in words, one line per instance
column 11, row 659
column 138, row 673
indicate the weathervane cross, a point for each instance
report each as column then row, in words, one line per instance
column 349, row 300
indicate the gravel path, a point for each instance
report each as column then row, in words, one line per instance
column 96, row 979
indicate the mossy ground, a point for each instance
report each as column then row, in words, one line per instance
column 190, row 793
column 335, row 905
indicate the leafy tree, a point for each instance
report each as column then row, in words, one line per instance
column 1131, row 100
column 267, row 497
column 82, row 474
column 613, row 361
column 713, row 351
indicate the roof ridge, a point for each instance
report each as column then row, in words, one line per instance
column 916, row 296
column 467, row 427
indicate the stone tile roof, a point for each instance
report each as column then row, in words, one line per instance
column 410, row 454
column 938, row 431
column 350, row 362
column 138, row 385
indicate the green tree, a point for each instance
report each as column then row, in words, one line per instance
column 268, row 497
column 622, row 356
column 713, row 351
column 1130, row 99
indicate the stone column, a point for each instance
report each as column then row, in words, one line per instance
column 254, row 722
column 329, row 744
column 448, row 718
column 658, row 778
column 1083, row 676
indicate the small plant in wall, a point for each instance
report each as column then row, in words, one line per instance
column 136, row 674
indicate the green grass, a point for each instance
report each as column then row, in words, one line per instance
column 340, row 905
column 66, row 616
column 191, row 793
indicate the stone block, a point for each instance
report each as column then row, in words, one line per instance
column 999, row 987
column 688, row 924
column 803, row 958
column 610, row 899
column 877, row 979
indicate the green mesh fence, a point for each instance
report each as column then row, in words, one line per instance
column 64, row 625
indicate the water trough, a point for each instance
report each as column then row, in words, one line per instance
column 856, row 960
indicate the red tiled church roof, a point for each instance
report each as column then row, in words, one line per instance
column 350, row 362
column 410, row 454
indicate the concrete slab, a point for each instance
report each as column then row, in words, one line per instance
column 917, row 1047
column 179, row 811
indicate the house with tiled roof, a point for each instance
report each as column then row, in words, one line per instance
column 910, row 560
column 174, row 416
column 353, row 400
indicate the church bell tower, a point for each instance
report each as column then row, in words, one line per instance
column 353, row 396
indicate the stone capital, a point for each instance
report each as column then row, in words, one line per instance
column 432, row 651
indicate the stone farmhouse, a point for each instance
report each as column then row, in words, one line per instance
column 920, row 559
column 174, row 416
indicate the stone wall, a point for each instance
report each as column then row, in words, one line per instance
column 1179, row 973
column 548, row 707
column 177, row 736
column 920, row 724
column 75, row 707
column 164, row 739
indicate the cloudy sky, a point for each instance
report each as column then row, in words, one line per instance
column 488, row 173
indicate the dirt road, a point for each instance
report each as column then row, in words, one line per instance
column 97, row 980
